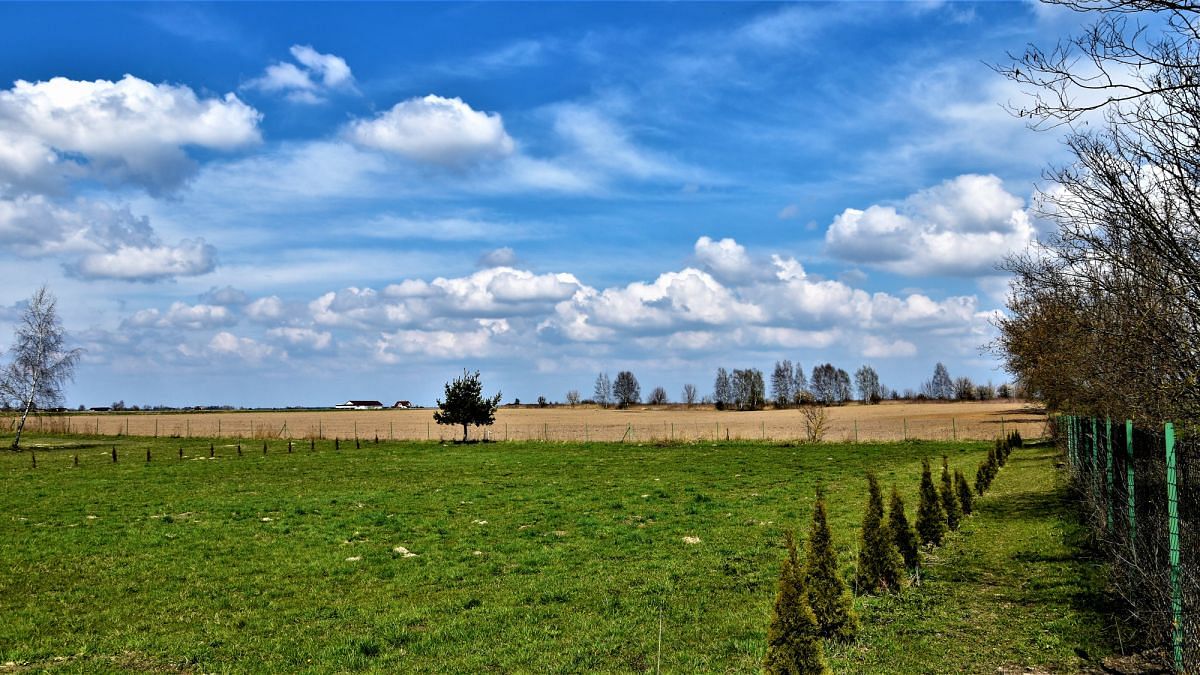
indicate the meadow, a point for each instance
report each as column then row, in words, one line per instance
column 506, row 557
column 888, row 421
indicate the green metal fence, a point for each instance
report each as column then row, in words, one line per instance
column 1143, row 500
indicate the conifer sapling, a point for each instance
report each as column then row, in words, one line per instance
column 949, row 497
column 903, row 533
column 827, row 593
column 931, row 517
column 965, row 500
column 794, row 644
column 880, row 565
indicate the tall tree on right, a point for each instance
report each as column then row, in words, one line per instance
column 1124, row 243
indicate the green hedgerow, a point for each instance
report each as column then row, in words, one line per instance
column 880, row 565
column 902, row 532
column 931, row 516
column 827, row 593
column 794, row 644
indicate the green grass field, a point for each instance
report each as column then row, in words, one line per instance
column 529, row 557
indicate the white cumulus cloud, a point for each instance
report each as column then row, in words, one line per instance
column 129, row 130
column 190, row 257
column 436, row 130
column 964, row 226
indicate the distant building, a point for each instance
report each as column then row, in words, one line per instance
column 101, row 408
column 403, row 404
column 359, row 405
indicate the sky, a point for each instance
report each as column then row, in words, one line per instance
column 299, row 204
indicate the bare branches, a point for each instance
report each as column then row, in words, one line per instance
column 1134, row 53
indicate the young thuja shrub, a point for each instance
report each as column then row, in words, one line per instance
column 981, row 479
column 827, row 593
column 963, row 489
column 950, row 497
column 794, row 645
column 1015, row 440
column 903, row 533
column 931, row 516
column 1001, row 452
column 880, row 565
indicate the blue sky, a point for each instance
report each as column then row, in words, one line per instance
column 296, row 204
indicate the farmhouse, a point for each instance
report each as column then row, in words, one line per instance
column 359, row 405
column 403, row 404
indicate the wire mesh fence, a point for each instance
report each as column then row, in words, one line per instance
column 1141, row 493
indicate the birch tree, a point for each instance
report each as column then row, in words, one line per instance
column 39, row 362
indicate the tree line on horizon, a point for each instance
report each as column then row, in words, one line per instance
column 827, row 385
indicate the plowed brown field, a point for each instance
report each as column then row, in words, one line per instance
column 889, row 421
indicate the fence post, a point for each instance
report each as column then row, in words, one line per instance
column 906, row 428
column 856, row 431
column 953, row 429
column 1173, row 535
column 1108, row 468
column 1129, row 497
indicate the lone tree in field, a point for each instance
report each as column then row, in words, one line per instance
column 902, row 532
column 931, row 516
column 465, row 403
column 626, row 390
column 793, row 643
column 880, row 565
column 40, row 362
column 827, row 592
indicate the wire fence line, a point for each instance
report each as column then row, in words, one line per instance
column 1141, row 492
column 560, row 426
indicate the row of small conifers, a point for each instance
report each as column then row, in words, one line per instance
column 814, row 604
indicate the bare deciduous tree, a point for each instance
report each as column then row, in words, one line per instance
column 40, row 361
column 816, row 422
column 573, row 397
column 689, row 395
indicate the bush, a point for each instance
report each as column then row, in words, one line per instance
column 827, row 593
column 902, row 532
column 880, row 565
column 931, row 516
column 981, row 481
column 1015, row 440
column 949, row 497
column 965, row 500
column 793, row 640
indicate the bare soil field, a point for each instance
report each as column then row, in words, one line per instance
column 889, row 421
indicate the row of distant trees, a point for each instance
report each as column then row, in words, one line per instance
column 746, row 389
